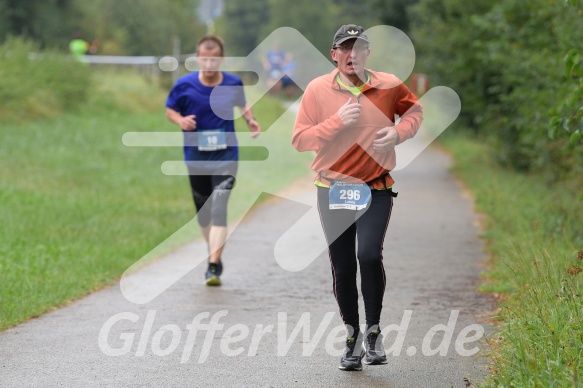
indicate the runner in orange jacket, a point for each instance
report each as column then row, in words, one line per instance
column 347, row 117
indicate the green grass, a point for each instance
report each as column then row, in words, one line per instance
column 78, row 207
column 535, row 237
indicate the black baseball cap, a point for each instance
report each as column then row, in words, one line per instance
column 349, row 31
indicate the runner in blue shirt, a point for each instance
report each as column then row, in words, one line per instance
column 210, row 145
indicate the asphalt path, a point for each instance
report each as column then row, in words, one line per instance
column 269, row 326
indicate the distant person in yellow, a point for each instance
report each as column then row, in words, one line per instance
column 78, row 48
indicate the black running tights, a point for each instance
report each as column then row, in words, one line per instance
column 342, row 229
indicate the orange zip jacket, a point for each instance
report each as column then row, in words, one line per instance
column 343, row 152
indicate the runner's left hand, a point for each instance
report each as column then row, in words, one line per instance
column 254, row 127
column 387, row 140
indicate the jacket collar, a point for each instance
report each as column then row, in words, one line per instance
column 374, row 81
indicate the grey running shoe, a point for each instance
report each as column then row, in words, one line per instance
column 375, row 352
column 351, row 359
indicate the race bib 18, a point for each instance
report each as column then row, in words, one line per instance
column 212, row 140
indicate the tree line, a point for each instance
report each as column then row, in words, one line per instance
column 122, row 27
column 517, row 65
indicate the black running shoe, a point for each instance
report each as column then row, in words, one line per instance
column 375, row 352
column 213, row 272
column 351, row 359
column 220, row 267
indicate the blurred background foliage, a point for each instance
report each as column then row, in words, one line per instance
column 517, row 64
column 39, row 88
column 123, row 27
column 517, row 67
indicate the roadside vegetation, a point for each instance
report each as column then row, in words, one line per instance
column 518, row 68
column 535, row 239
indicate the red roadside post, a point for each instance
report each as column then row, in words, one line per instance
column 419, row 84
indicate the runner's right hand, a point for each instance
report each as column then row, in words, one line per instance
column 349, row 112
column 187, row 122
